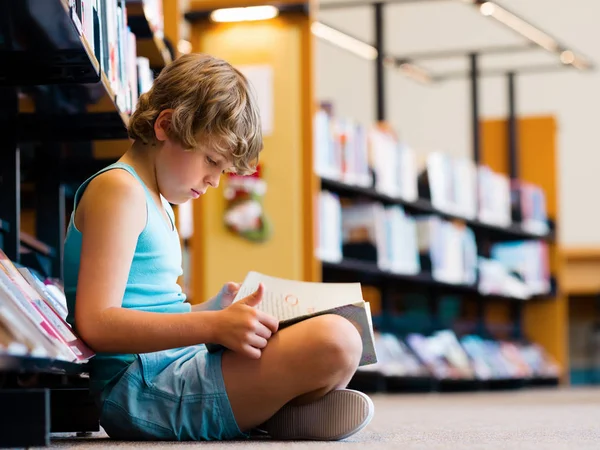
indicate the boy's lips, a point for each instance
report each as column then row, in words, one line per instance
column 196, row 193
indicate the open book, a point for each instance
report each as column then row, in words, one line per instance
column 293, row 301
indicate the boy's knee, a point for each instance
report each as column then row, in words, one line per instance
column 337, row 342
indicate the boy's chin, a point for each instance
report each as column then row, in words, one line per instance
column 177, row 200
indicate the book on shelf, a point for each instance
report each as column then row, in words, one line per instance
column 364, row 233
column 153, row 10
column 442, row 355
column 532, row 207
column 293, row 301
column 447, row 250
column 395, row 359
column 529, row 259
column 385, row 235
column 494, row 197
column 440, row 182
column 104, row 25
column 341, row 149
column 329, row 227
column 39, row 316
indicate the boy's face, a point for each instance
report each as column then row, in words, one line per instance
column 183, row 174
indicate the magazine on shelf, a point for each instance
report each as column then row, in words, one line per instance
column 39, row 309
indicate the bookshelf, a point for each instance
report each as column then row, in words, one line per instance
column 355, row 269
column 58, row 97
column 424, row 206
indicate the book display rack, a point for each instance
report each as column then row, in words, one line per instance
column 70, row 74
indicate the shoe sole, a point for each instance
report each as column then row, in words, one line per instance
column 338, row 415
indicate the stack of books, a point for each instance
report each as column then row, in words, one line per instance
column 103, row 23
column 33, row 317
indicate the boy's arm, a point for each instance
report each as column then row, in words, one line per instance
column 111, row 215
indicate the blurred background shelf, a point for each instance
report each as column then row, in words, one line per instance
column 424, row 206
column 366, row 271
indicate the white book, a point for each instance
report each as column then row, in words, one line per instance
column 294, row 301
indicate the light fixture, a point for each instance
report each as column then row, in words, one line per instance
column 487, row 8
column 415, row 72
column 519, row 25
column 344, row 41
column 244, row 14
column 184, row 46
column 567, row 57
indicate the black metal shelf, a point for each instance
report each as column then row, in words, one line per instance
column 31, row 364
column 369, row 271
column 52, row 51
column 55, row 51
column 423, row 206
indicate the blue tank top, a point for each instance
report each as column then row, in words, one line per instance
column 152, row 282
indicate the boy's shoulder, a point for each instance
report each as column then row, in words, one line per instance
column 116, row 192
column 117, row 183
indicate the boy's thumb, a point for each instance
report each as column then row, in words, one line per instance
column 256, row 297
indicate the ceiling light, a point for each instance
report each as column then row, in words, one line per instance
column 184, row 46
column 520, row 26
column 567, row 57
column 487, row 8
column 415, row 72
column 344, row 41
column 248, row 13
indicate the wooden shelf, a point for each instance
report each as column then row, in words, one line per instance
column 423, row 206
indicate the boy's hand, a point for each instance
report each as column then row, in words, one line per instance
column 243, row 328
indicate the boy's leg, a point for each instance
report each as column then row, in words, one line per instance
column 300, row 363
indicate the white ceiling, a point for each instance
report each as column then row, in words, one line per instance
column 438, row 25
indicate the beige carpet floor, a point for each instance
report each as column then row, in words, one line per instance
column 528, row 419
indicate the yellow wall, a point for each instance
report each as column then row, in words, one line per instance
column 218, row 255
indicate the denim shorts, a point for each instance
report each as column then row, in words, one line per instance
column 176, row 394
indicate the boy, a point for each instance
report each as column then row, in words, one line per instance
column 152, row 375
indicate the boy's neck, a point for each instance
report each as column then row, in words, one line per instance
column 142, row 157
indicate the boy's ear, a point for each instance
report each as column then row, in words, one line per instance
column 162, row 125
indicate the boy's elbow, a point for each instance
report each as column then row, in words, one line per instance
column 92, row 332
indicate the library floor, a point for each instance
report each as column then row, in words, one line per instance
column 527, row 419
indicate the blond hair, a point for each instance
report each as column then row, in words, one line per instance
column 210, row 97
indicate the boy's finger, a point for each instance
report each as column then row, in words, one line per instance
column 256, row 297
column 269, row 321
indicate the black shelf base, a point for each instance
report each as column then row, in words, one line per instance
column 71, row 127
column 26, row 422
column 31, row 68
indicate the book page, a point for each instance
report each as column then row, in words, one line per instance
column 288, row 299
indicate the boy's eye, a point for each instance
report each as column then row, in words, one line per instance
column 211, row 161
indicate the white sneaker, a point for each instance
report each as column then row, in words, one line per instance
column 338, row 415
